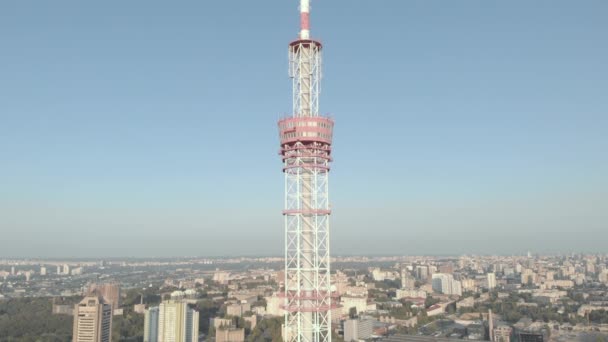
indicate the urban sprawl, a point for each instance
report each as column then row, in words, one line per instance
column 392, row 299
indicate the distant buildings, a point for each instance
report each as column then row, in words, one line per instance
column 403, row 293
column 221, row 277
column 92, row 320
column 445, row 283
column 381, row 275
column 171, row 321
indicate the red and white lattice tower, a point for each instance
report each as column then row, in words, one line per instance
column 306, row 139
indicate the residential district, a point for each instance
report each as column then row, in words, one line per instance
column 392, row 299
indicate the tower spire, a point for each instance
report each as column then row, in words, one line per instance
column 304, row 19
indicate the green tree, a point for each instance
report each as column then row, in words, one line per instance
column 207, row 309
column 31, row 319
column 352, row 312
column 267, row 330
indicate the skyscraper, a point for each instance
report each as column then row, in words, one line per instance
column 177, row 322
column 92, row 320
column 151, row 325
column 306, row 139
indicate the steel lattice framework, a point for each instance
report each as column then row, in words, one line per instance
column 306, row 141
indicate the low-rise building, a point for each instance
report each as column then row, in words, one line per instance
column 468, row 302
column 230, row 335
column 405, row 293
column 237, row 309
column 502, row 334
column 348, row 302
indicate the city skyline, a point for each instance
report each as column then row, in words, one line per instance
column 466, row 130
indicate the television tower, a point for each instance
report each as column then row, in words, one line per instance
column 306, row 139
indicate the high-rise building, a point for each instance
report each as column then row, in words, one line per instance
column 92, row 320
column 407, row 281
column 221, row 277
column 590, row 267
column 491, row 325
column 177, row 322
column 306, row 140
column 66, row 269
column 42, row 270
column 603, row 277
column 446, row 284
column 151, row 325
column 491, row 281
column 528, row 276
column 422, row 272
column 109, row 291
column 356, row 329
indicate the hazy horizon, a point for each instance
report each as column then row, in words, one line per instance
column 261, row 256
column 149, row 128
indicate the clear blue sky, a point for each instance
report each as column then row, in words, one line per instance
column 148, row 128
